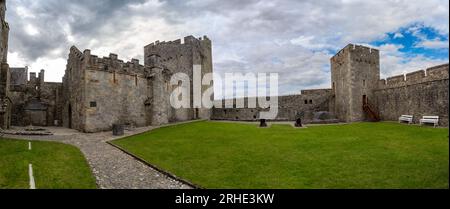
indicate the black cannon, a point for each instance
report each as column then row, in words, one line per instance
column 298, row 123
column 263, row 123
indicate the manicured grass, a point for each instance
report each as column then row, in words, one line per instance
column 361, row 155
column 55, row 166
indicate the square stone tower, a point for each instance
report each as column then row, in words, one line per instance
column 177, row 57
column 355, row 72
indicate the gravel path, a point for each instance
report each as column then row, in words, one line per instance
column 112, row 168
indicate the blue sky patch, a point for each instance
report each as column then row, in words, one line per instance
column 411, row 38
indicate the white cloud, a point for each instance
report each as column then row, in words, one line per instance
column 433, row 44
column 398, row 35
column 309, row 43
column 31, row 30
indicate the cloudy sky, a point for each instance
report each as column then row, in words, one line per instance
column 295, row 38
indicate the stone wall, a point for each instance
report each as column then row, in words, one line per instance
column 19, row 76
column 115, row 96
column 35, row 102
column 420, row 93
column 104, row 91
column 308, row 102
column 73, row 91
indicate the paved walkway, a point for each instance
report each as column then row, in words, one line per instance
column 112, row 168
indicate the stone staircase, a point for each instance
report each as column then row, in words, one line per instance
column 371, row 112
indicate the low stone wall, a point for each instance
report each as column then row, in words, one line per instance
column 309, row 102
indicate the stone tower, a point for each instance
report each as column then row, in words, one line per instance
column 4, row 33
column 5, row 102
column 169, row 58
column 355, row 72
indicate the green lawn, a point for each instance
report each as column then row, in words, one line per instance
column 361, row 155
column 55, row 166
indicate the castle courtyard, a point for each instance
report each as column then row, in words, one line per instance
column 199, row 155
column 257, row 103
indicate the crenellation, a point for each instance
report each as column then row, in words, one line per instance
column 188, row 40
column 87, row 52
column 398, row 80
column 316, row 91
column 415, row 77
column 438, row 72
column 74, row 50
column 113, row 64
column 421, row 76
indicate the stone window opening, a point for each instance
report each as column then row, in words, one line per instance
column 306, row 101
column 364, row 83
column 93, row 104
column 310, row 102
column 136, row 80
column 114, row 77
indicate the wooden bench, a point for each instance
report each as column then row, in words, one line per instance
column 430, row 119
column 406, row 118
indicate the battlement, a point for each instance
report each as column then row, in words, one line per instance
column 188, row 40
column 112, row 63
column 316, row 91
column 364, row 51
column 76, row 52
column 435, row 73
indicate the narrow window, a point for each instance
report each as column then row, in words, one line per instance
column 136, row 79
column 306, row 101
column 364, row 83
column 310, row 101
column 114, row 77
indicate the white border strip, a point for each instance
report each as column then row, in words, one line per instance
column 29, row 145
column 30, row 172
